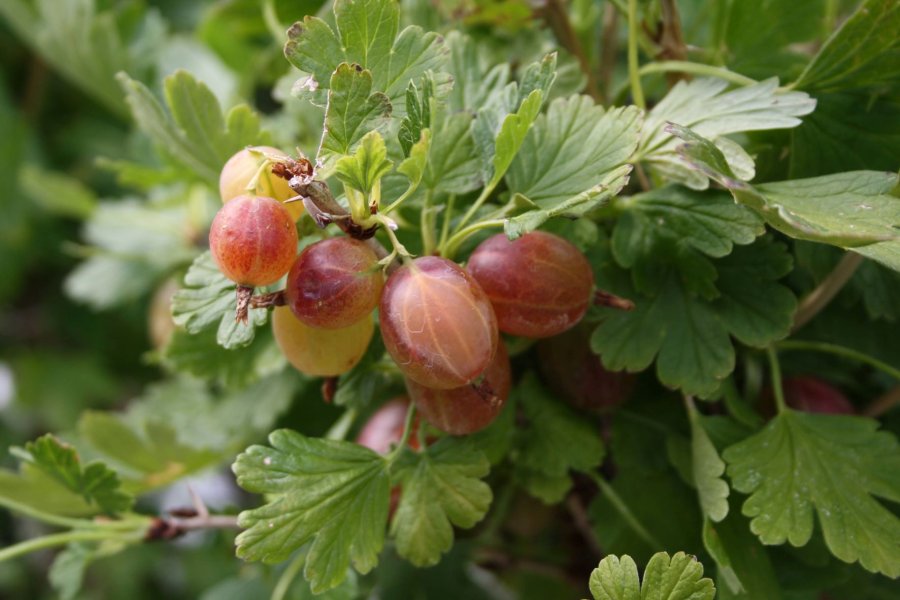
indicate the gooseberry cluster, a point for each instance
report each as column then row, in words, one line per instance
column 440, row 322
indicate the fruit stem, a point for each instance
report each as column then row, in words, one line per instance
column 243, row 294
column 288, row 576
column 339, row 430
column 775, row 371
column 399, row 249
column 407, row 432
column 61, row 521
column 686, row 66
column 268, row 300
column 449, row 249
column 637, row 92
column 448, row 216
column 426, row 225
column 883, row 403
column 819, row 298
column 840, row 351
column 619, row 505
column 59, row 539
column 575, row 508
column 475, row 206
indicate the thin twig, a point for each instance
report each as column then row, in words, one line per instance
column 609, row 47
column 583, row 524
column 819, row 298
column 883, row 403
column 557, row 18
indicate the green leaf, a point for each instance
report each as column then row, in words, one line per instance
column 473, row 81
column 225, row 422
column 95, row 482
column 571, row 149
column 880, row 288
column 865, row 51
column 453, row 163
column 332, row 494
column 834, row 465
column 848, row 131
column 574, row 206
column 364, row 169
column 102, row 282
column 194, row 133
column 67, row 571
column 57, row 193
column 85, row 44
column 133, row 245
column 151, row 457
column 710, row 223
column 707, row 108
column 645, row 475
column 707, row 471
column 418, row 115
column 417, row 161
column 756, row 310
column 441, row 487
column 743, row 562
column 692, row 342
column 679, row 577
column 201, row 356
column 366, row 35
column 557, row 440
column 499, row 135
column 689, row 335
column 352, row 110
column 761, row 51
column 615, row 579
column 209, row 299
column 859, row 210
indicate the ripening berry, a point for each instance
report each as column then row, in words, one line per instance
column 320, row 352
column 240, row 170
column 437, row 324
column 334, row 283
column 253, row 239
column 469, row 408
column 539, row 285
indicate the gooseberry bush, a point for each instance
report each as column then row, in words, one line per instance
column 489, row 300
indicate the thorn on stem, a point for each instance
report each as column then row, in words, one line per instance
column 604, row 298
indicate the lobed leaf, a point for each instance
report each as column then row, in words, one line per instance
column 679, row 577
column 858, row 210
column 441, row 487
column 95, row 482
column 364, row 169
column 707, row 108
column 209, row 299
column 833, row 466
column 707, row 469
column 572, row 148
column 194, row 133
column 331, row 494
column 352, row 109
column 366, row 35
column 689, row 335
column 864, row 51
column 453, row 164
column 556, row 441
column 152, row 455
